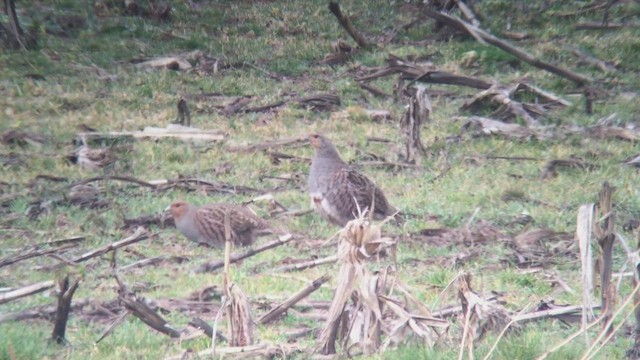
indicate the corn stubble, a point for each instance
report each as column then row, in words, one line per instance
column 364, row 309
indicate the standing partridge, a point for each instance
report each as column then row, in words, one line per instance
column 338, row 192
column 205, row 224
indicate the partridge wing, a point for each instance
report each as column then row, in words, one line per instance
column 243, row 219
column 366, row 192
column 349, row 187
column 210, row 223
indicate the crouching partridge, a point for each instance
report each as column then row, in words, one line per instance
column 339, row 192
column 205, row 224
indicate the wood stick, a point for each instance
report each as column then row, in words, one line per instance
column 267, row 145
column 208, row 330
column 345, row 22
column 142, row 311
column 443, row 77
column 158, row 133
column 468, row 13
column 39, row 312
column 212, row 266
column 139, row 235
column 599, row 25
column 518, row 53
column 606, row 237
column 374, row 90
column 308, row 264
column 227, row 350
column 282, row 307
column 26, row 291
column 113, row 325
column 75, row 239
column 34, row 253
column 65, row 296
column 141, row 263
column 128, row 179
column 543, row 314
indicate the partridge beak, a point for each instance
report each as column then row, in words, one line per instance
column 167, row 208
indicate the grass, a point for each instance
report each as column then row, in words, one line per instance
column 288, row 39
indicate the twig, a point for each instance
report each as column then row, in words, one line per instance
column 374, row 90
column 345, row 22
column 606, row 329
column 598, row 25
column 142, row 311
column 608, row 338
column 282, row 307
column 204, row 326
column 307, row 264
column 65, row 296
column 468, row 13
column 267, row 145
column 139, row 235
column 26, row 291
column 208, row 267
column 569, row 339
column 38, row 312
column 442, row 77
column 227, row 350
column 34, row 253
column 113, row 325
column 518, row 53
column 128, row 179
column 141, row 263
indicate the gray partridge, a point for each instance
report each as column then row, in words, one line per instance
column 338, row 190
column 205, row 224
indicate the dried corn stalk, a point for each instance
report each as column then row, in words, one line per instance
column 418, row 112
column 239, row 316
column 363, row 320
column 479, row 314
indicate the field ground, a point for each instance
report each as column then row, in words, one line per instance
column 85, row 73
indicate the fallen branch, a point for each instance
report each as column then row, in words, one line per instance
column 208, row 330
column 162, row 220
column 141, row 263
column 251, row 351
column 139, row 308
column 172, row 131
column 113, row 325
column 26, row 291
column 601, row 65
column 65, row 294
column 518, row 53
column 128, row 179
column 212, row 266
column 344, row 21
column 41, row 312
column 139, row 235
column 489, row 126
column 374, row 90
column 599, row 25
column 282, row 308
column 35, row 253
column 307, row 264
column 142, row 311
column 605, row 235
column 267, row 145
